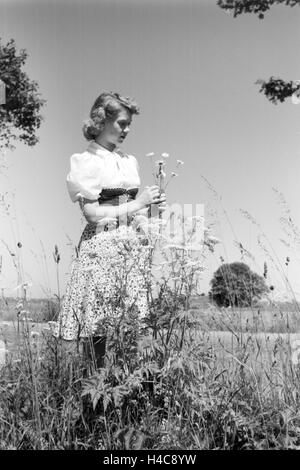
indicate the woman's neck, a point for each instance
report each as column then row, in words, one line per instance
column 106, row 145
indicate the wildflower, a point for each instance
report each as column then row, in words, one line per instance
column 24, row 312
column 35, row 334
column 24, row 285
column 198, row 218
column 173, row 245
column 56, row 255
column 24, row 318
column 183, row 247
column 190, row 264
column 195, row 247
column 213, row 240
column 165, row 155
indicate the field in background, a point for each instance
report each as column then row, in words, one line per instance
column 261, row 347
column 276, row 318
column 39, row 310
column 266, row 334
column 221, row 378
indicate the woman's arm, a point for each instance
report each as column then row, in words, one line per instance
column 94, row 212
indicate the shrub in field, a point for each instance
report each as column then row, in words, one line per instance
column 234, row 284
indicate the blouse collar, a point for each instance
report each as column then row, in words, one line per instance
column 96, row 148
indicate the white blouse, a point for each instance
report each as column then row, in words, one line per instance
column 98, row 168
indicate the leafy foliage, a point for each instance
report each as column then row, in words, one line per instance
column 20, row 117
column 258, row 7
column 235, row 284
column 275, row 89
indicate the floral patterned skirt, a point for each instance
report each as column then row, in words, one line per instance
column 108, row 278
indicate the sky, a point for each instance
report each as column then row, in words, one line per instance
column 192, row 68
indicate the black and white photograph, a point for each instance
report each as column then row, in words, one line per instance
column 149, row 228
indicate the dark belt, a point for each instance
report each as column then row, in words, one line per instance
column 116, row 197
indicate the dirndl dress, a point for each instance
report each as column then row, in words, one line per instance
column 109, row 276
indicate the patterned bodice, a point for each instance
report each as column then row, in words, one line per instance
column 117, row 196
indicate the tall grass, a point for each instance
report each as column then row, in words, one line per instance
column 169, row 380
column 165, row 385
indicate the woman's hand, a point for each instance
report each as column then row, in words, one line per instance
column 150, row 195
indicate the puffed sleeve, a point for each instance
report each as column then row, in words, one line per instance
column 134, row 171
column 84, row 179
column 136, row 164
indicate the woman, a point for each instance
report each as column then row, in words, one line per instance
column 105, row 182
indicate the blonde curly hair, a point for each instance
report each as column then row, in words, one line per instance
column 105, row 108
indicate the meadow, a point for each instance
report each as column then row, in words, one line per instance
column 189, row 376
column 191, row 379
